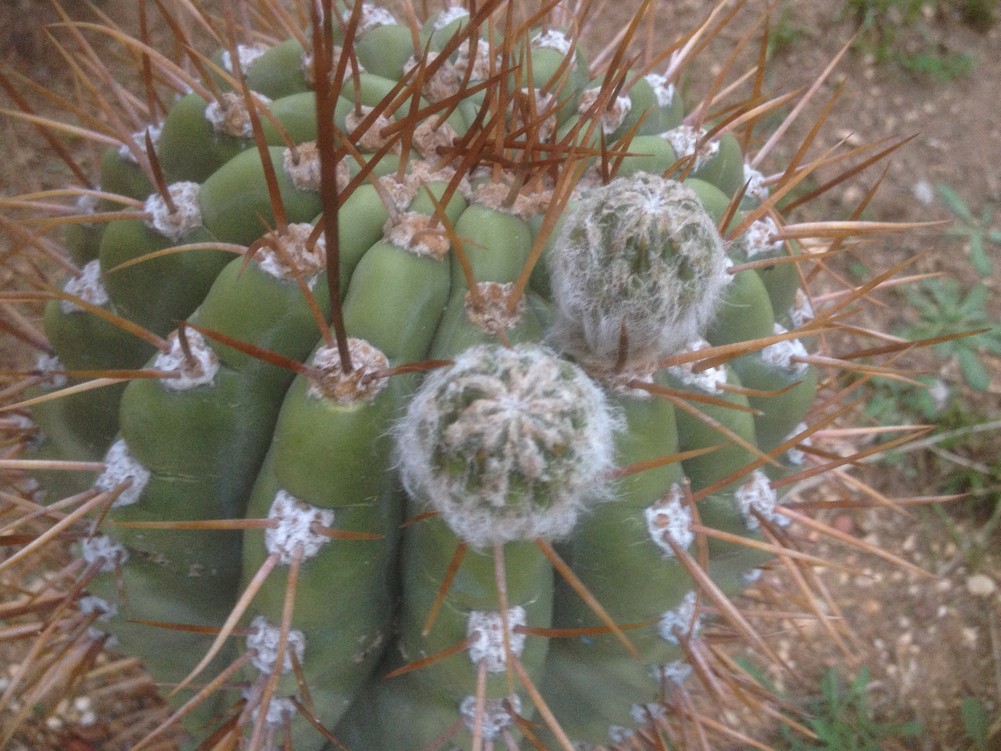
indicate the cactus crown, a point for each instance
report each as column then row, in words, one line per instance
column 507, row 444
column 639, row 257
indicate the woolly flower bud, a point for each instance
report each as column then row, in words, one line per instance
column 507, row 444
column 639, row 253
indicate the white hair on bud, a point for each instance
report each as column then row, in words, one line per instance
column 507, row 444
column 639, row 254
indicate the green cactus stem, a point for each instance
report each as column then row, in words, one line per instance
column 418, row 382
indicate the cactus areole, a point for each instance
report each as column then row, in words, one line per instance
column 448, row 412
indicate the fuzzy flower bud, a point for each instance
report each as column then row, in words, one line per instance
column 639, row 254
column 507, row 444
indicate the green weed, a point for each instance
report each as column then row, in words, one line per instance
column 785, row 33
column 947, row 310
column 898, row 31
column 980, row 15
column 976, row 231
column 842, row 719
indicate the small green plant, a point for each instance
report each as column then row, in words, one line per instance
column 976, row 723
column 946, row 309
column 973, row 230
column 842, row 719
column 880, row 20
column 895, row 31
column 785, row 32
column 934, row 62
column 963, row 453
column 979, row 15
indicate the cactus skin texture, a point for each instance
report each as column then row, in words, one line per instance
column 479, row 487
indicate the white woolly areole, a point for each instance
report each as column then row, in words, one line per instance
column 279, row 711
column 669, row 519
column 433, row 134
column 487, row 632
column 795, row 455
column 801, row 312
column 263, row 639
column 103, row 611
column 120, row 466
column 186, row 216
column 92, row 604
column 685, row 139
column 756, row 496
column 507, row 444
column 372, row 138
column 245, row 55
column 372, row 16
column 671, row 672
column 542, row 116
column 489, row 309
column 782, row 354
column 680, row 621
column 758, row 239
column 481, row 64
column 662, row 89
column 711, row 380
column 640, row 253
column 755, row 179
column 289, row 251
column 448, row 15
column 364, row 382
column 621, row 734
column 495, row 192
column 229, row 116
column 750, row 577
column 418, row 233
column 354, row 67
column 497, row 714
column 102, row 549
column 303, row 167
column 612, row 115
column 87, row 203
column 46, row 365
column 554, row 39
column 293, row 522
column 198, row 370
column 128, row 153
column 445, row 81
column 88, row 286
column 643, row 713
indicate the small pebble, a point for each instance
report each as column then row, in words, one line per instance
column 980, row 585
column 970, row 636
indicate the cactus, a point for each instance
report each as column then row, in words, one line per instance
column 422, row 386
